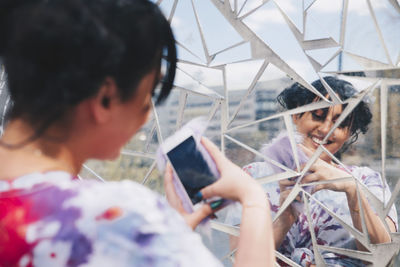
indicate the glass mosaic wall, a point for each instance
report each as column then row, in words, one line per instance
column 236, row 56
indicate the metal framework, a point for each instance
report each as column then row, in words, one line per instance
column 377, row 75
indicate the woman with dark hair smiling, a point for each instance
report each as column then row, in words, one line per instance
column 291, row 229
column 81, row 75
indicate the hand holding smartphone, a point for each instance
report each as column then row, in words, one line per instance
column 192, row 164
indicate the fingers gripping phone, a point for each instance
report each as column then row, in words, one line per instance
column 191, row 163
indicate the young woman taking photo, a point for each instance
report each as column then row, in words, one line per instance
column 81, row 76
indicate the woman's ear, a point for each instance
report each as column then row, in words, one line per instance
column 103, row 104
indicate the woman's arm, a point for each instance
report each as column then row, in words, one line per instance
column 255, row 244
column 256, row 247
column 283, row 223
column 321, row 171
column 376, row 229
column 280, row 226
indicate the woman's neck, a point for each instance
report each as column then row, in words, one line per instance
column 39, row 155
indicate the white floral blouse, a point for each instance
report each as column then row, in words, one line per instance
column 297, row 244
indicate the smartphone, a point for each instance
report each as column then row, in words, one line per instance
column 189, row 163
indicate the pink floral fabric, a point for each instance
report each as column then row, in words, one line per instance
column 51, row 219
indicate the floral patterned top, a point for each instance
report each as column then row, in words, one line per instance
column 297, row 244
column 52, row 219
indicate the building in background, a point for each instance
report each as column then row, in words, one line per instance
column 198, row 105
column 261, row 103
column 393, row 124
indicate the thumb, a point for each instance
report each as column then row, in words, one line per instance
column 214, row 151
column 210, row 190
column 197, row 216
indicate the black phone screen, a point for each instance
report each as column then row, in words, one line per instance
column 192, row 169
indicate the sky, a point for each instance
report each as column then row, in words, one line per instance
column 322, row 21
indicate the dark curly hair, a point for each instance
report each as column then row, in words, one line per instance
column 57, row 53
column 358, row 120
